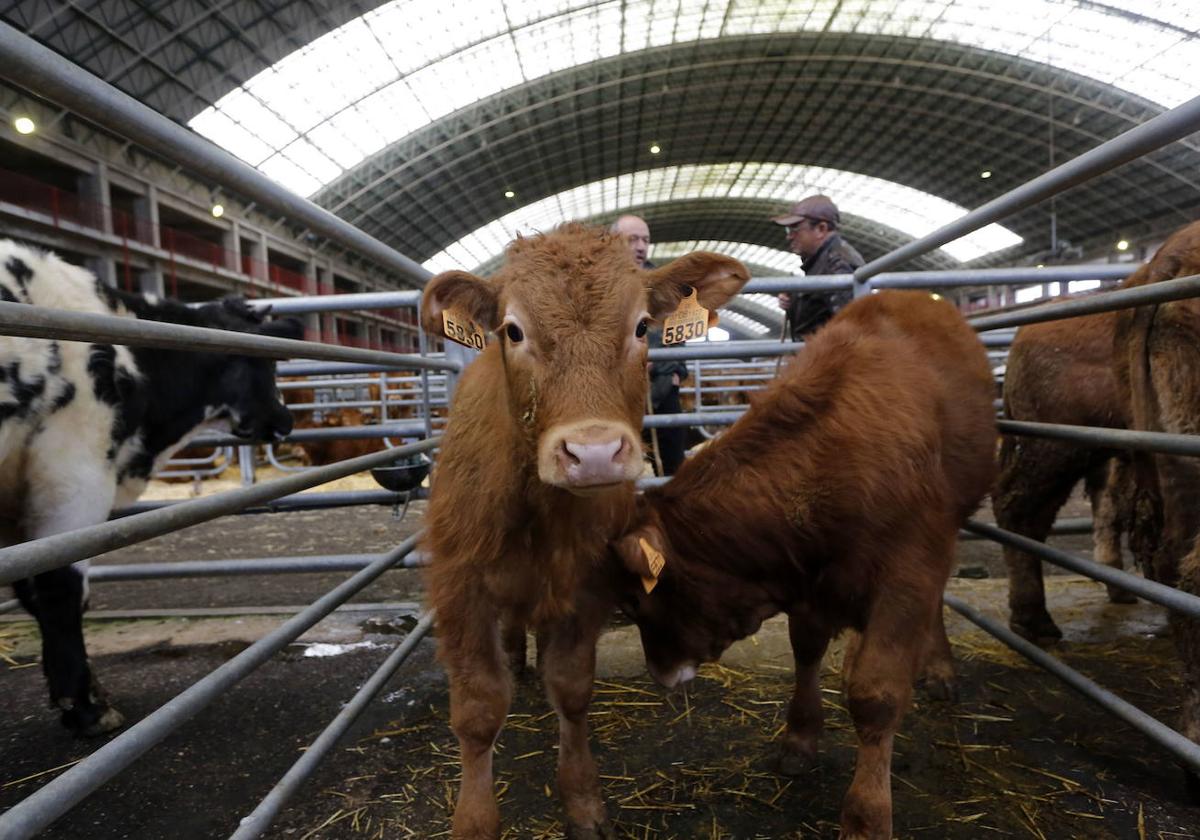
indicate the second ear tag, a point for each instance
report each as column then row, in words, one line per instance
column 461, row 329
column 655, row 561
column 689, row 321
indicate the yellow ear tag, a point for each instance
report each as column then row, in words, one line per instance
column 461, row 329
column 689, row 321
column 655, row 561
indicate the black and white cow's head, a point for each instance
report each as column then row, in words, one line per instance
column 243, row 388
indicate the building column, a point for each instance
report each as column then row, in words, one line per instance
column 93, row 188
column 145, row 213
column 150, row 281
column 231, row 241
column 312, row 320
column 105, row 269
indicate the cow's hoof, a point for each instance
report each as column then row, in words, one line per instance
column 600, row 831
column 791, row 763
column 1116, row 595
column 93, row 722
column 941, row 688
column 1036, row 629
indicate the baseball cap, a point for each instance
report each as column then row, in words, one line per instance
column 818, row 207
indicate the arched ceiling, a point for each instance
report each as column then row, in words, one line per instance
column 747, row 222
column 924, row 93
column 929, row 115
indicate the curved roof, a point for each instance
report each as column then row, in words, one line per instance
column 416, row 118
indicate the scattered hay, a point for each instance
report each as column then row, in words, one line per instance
column 699, row 765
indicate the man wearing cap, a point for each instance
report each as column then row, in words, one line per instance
column 664, row 376
column 812, row 232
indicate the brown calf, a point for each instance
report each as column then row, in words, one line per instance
column 1059, row 372
column 535, row 480
column 1157, row 363
column 836, row 499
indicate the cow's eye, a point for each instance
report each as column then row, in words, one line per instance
column 514, row 333
column 642, row 326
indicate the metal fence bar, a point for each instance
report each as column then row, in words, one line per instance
column 354, row 301
column 22, row 319
column 1079, row 525
column 1163, row 442
column 9, row 606
column 726, row 350
column 295, row 502
column 244, row 566
column 40, row 70
column 316, row 368
column 1153, row 134
column 1182, row 748
column 1158, row 593
column 260, row 819
column 1017, row 276
column 1167, row 290
column 408, row 429
column 29, row 558
column 41, row 808
column 707, row 418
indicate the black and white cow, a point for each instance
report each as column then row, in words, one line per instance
column 82, row 427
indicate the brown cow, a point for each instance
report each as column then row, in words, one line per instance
column 1059, row 372
column 535, row 480
column 837, row 499
column 1157, row 359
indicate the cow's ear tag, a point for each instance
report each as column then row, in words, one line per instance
column 655, row 561
column 689, row 320
column 461, row 329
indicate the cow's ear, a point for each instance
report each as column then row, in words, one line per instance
column 283, row 328
column 715, row 277
column 643, row 552
column 475, row 297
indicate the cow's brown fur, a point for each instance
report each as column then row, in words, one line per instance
column 1156, row 359
column 1059, row 372
column 507, row 547
column 836, row 499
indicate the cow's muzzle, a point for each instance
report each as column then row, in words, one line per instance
column 589, row 455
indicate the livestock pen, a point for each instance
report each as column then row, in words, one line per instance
column 951, row 792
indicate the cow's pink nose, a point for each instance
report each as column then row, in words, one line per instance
column 594, row 463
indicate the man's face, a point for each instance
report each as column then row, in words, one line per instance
column 806, row 236
column 637, row 234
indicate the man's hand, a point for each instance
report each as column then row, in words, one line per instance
column 675, row 379
column 785, row 300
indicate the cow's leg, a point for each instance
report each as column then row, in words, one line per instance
column 879, row 689
column 568, row 667
column 480, row 693
column 1109, row 488
column 938, row 669
column 62, row 499
column 806, row 717
column 514, row 639
column 1036, row 477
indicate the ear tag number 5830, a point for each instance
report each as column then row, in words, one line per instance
column 461, row 329
column 689, row 321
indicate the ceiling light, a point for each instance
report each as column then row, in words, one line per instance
column 24, row 125
column 509, row 194
column 655, row 148
column 218, row 211
column 985, row 174
column 1041, row 265
column 1123, row 245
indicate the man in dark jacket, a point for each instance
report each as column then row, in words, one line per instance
column 664, row 376
column 812, row 232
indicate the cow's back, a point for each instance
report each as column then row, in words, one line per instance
column 934, row 339
column 1062, row 372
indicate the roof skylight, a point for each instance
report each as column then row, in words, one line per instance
column 343, row 97
column 905, row 209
